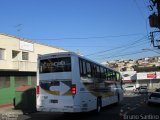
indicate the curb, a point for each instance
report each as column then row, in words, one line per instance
column 7, row 112
column 5, row 106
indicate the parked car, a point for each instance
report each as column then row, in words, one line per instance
column 154, row 98
column 142, row 90
column 130, row 88
column 157, row 90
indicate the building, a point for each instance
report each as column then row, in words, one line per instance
column 141, row 72
column 129, row 78
column 134, row 78
column 149, row 79
column 18, row 64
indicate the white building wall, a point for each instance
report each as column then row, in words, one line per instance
column 146, row 75
column 129, row 75
column 150, row 79
column 10, row 43
column 129, row 78
column 158, row 75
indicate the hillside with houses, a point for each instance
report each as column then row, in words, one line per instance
column 144, row 71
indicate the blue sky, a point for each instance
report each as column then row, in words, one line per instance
column 99, row 29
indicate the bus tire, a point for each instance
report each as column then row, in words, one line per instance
column 14, row 102
column 118, row 97
column 99, row 105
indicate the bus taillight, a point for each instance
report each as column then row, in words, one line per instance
column 73, row 89
column 37, row 90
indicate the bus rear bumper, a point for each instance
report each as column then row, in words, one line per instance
column 65, row 109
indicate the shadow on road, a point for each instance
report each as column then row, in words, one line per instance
column 132, row 104
column 111, row 112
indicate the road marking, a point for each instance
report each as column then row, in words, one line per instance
column 130, row 110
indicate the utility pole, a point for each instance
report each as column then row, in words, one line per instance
column 154, row 21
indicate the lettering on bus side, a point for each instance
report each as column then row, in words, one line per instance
column 55, row 65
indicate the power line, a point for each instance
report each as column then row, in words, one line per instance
column 145, row 4
column 142, row 15
column 84, row 46
column 137, row 52
column 92, row 37
column 103, row 57
column 130, row 47
column 115, row 48
column 134, row 45
column 89, row 46
column 113, row 55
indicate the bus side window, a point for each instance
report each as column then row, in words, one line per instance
column 84, row 74
column 118, row 76
column 102, row 73
column 88, row 66
column 80, row 67
column 106, row 74
column 94, row 71
column 105, row 70
column 98, row 72
column 84, row 68
column 109, row 74
column 114, row 76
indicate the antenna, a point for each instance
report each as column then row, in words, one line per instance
column 18, row 29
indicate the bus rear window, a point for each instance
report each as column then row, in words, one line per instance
column 50, row 65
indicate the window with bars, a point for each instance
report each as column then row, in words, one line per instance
column 15, row 54
column 25, row 56
column 4, row 82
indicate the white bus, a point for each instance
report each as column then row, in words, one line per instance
column 67, row 82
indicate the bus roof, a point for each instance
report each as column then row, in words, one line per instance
column 74, row 54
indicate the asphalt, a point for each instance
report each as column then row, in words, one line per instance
column 9, row 113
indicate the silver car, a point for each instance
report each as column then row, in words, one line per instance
column 143, row 89
column 130, row 88
column 154, row 98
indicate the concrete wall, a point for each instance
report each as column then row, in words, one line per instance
column 11, row 43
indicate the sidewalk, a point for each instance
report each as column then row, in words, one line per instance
column 9, row 113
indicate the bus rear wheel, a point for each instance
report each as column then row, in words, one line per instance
column 99, row 105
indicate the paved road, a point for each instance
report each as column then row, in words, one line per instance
column 132, row 106
column 110, row 112
column 144, row 112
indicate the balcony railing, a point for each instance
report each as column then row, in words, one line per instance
column 24, row 66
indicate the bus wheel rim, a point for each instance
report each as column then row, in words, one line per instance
column 98, row 107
